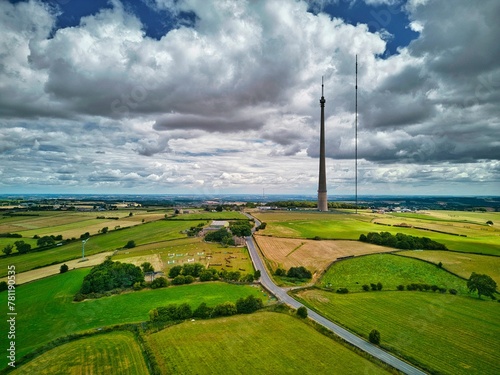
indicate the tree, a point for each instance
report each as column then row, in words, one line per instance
column 159, row 282
column 104, row 230
column 3, row 286
column 174, row 271
column 302, row 312
column 374, row 337
column 22, row 247
column 45, row 241
column 256, row 275
column 147, row 267
column 64, row 268
column 8, row 249
column 130, row 244
column 483, row 284
column 248, row 305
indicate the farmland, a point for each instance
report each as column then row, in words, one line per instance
column 390, row 270
column 110, row 353
column 48, row 311
column 444, row 333
column 460, row 264
column 258, row 343
column 480, row 238
column 314, row 255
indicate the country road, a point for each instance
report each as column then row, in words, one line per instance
column 282, row 295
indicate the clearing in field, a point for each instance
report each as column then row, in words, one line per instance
column 109, row 353
column 461, row 264
column 442, row 333
column 259, row 343
column 390, row 270
column 314, row 255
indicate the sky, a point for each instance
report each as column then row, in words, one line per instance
column 222, row 97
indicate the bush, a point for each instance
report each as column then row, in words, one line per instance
column 299, row 273
column 302, row 312
column 64, row 268
column 374, row 337
column 3, row 286
column 137, row 285
column 159, row 282
column 374, row 286
column 366, row 287
column 224, row 309
column 188, row 279
column 174, row 271
column 379, row 286
column 342, row 291
column 179, row 280
column 434, row 288
column 280, row 272
column 130, row 244
column 203, row 311
column 401, row 287
column 248, row 305
column 453, row 291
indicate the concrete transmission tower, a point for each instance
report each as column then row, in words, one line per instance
column 322, row 196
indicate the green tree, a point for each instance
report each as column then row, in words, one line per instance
column 7, row 250
column 483, row 284
column 22, row 247
column 302, row 312
column 104, row 230
column 374, row 337
column 3, row 286
column 248, row 305
column 147, row 267
column 203, row 311
column 159, row 282
column 45, row 241
column 130, row 244
column 257, row 275
column 174, row 271
column 64, row 268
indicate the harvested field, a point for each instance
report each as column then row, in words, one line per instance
column 154, row 259
column 314, row 255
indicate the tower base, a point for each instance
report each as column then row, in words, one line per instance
column 322, row 201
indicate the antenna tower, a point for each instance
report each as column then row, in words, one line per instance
column 356, row 135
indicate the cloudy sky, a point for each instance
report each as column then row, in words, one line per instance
column 217, row 97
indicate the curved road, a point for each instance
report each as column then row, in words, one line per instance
column 282, row 295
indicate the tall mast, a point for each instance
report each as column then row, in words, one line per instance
column 322, row 197
column 356, row 135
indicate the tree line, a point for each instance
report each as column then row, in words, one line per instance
column 401, row 241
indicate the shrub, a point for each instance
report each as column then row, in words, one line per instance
column 64, row 268
column 174, row 271
column 374, row 286
column 179, row 280
column 453, row 291
column 224, row 309
column 203, row 311
column 159, row 282
column 280, row 272
column 3, row 286
column 137, row 285
column 248, row 305
column 188, row 279
column 130, row 244
column 379, row 286
column 374, row 337
column 401, row 287
column 342, row 291
column 434, row 288
column 302, row 312
column 299, row 273
column 366, row 287
column 8, row 249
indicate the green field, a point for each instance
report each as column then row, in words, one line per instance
column 110, row 353
column 46, row 310
column 307, row 224
column 390, row 270
column 260, row 343
column 461, row 264
column 206, row 215
column 445, row 333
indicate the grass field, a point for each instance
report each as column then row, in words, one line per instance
column 461, row 264
column 205, row 215
column 481, row 238
column 260, row 343
column 46, row 310
column 314, row 255
column 447, row 334
column 142, row 234
column 390, row 270
column 110, row 353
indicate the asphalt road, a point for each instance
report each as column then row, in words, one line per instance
column 282, row 295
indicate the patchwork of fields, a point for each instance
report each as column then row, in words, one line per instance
column 451, row 334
